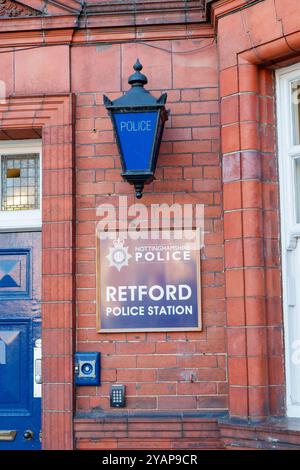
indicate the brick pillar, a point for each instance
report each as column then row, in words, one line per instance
column 58, row 280
column 271, row 242
column 248, row 47
column 251, row 248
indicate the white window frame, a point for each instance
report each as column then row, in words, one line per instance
column 21, row 219
column 290, row 229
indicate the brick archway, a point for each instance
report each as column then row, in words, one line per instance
column 54, row 116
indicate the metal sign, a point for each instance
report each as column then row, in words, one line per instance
column 147, row 285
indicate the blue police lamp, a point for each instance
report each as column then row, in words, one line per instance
column 138, row 120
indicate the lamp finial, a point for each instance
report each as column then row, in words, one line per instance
column 137, row 66
column 137, row 78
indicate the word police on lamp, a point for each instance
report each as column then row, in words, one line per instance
column 138, row 120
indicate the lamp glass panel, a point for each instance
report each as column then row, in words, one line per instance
column 136, row 133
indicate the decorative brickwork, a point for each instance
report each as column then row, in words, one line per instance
column 10, row 9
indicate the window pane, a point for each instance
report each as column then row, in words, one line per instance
column 297, row 188
column 296, row 111
column 20, row 182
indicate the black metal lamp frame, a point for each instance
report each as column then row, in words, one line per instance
column 139, row 100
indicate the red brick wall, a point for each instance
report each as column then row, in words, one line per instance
column 161, row 371
column 157, row 367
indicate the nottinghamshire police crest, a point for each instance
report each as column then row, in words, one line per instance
column 118, row 255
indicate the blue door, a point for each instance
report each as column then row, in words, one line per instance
column 20, row 341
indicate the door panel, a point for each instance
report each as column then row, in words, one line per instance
column 14, row 390
column 20, row 327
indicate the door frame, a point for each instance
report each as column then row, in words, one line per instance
column 290, row 231
column 53, row 116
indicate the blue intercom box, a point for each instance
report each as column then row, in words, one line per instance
column 87, row 368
